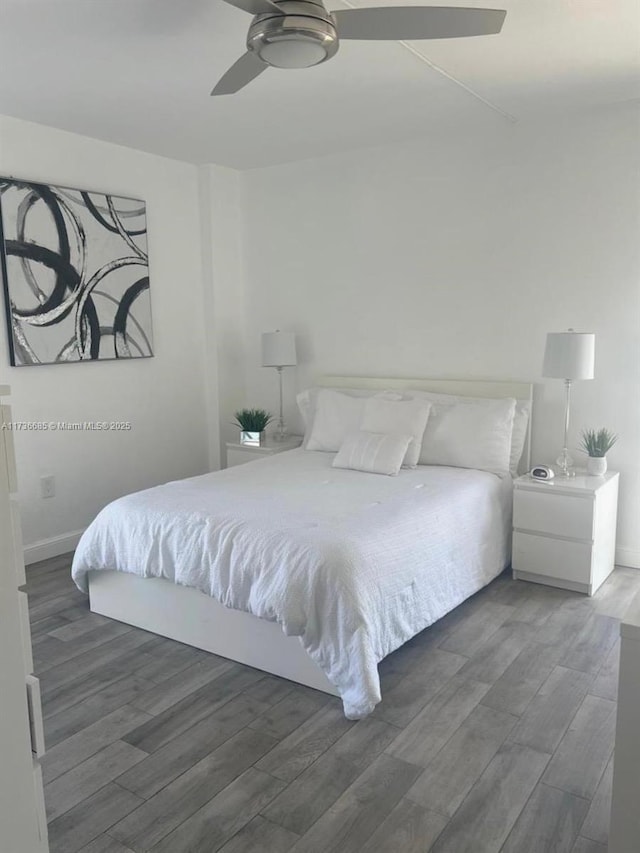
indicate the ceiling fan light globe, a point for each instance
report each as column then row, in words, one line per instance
column 294, row 41
column 292, row 52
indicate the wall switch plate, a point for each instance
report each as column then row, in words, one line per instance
column 48, row 486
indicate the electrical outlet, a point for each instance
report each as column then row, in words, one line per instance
column 48, row 486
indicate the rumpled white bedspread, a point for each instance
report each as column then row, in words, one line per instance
column 354, row 564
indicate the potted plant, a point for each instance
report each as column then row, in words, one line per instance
column 252, row 423
column 596, row 444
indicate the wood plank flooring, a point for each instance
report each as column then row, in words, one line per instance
column 495, row 735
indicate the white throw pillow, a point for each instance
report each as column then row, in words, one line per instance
column 466, row 434
column 373, row 453
column 398, row 417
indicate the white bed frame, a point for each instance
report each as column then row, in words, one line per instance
column 191, row 617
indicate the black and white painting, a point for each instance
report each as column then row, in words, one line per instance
column 75, row 270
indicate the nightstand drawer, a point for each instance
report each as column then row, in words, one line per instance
column 553, row 558
column 561, row 515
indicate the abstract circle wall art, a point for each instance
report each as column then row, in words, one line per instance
column 75, row 270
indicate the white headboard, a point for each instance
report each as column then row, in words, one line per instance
column 492, row 388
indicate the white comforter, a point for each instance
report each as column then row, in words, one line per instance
column 354, row 564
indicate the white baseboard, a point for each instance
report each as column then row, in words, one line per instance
column 628, row 557
column 55, row 546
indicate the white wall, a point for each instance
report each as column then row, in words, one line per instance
column 454, row 257
column 225, row 306
column 445, row 257
column 163, row 397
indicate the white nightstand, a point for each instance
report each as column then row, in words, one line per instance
column 238, row 454
column 564, row 530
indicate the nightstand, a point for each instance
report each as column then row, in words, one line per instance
column 564, row 530
column 238, row 454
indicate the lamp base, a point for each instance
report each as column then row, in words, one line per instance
column 565, row 465
column 281, row 433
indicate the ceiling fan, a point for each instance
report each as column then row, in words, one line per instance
column 302, row 33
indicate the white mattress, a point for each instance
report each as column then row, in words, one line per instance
column 354, row 564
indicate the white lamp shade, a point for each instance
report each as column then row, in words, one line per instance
column 569, row 355
column 278, row 349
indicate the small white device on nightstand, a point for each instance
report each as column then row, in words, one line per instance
column 541, row 472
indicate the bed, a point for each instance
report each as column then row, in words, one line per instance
column 310, row 572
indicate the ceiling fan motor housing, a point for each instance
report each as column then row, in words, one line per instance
column 302, row 36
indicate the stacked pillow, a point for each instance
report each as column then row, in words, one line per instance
column 398, row 417
column 476, row 429
column 371, row 431
column 338, row 415
column 467, row 435
column 331, row 416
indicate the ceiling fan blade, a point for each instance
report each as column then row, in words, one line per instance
column 406, row 23
column 246, row 69
column 255, row 7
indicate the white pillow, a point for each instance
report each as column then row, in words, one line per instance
column 335, row 416
column 519, row 434
column 329, row 414
column 307, row 400
column 373, row 453
column 466, row 434
column 398, row 417
column 520, row 419
column 306, row 404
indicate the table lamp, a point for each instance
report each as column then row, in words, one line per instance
column 569, row 356
column 279, row 351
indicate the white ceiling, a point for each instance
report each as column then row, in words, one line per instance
column 139, row 72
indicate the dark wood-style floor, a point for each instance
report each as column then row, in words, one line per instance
column 495, row 734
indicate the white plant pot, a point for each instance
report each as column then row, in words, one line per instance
column 597, row 466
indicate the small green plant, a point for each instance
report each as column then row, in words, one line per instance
column 253, row 420
column 598, row 442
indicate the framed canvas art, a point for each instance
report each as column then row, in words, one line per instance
column 75, row 271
